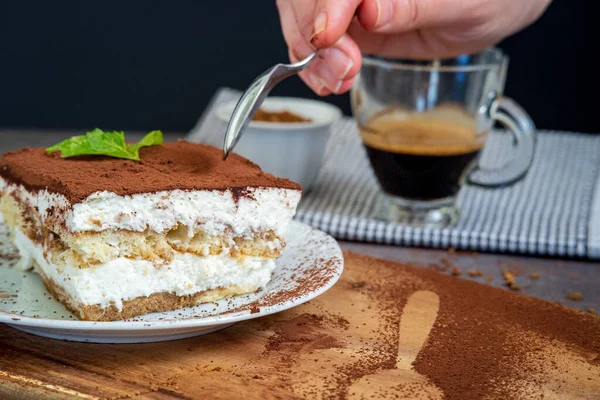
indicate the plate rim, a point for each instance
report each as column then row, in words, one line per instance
column 219, row 319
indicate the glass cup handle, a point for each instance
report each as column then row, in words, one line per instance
column 517, row 122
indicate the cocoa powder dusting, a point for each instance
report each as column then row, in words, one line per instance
column 301, row 332
column 481, row 343
column 313, row 277
column 387, row 290
column 484, row 341
column 176, row 165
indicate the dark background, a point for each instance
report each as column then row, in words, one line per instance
column 141, row 65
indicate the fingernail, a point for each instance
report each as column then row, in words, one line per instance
column 337, row 87
column 327, row 77
column 383, row 13
column 315, row 82
column 320, row 25
column 378, row 3
column 322, row 87
column 339, row 63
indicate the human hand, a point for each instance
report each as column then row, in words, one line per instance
column 418, row 29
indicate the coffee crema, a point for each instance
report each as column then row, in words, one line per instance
column 423, row 157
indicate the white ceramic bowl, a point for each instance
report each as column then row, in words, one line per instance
column 288, row 150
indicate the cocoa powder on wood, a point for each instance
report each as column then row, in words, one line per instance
column 483, row 338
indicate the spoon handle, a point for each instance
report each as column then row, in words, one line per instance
column 252, row 98
column 304, row 63
column 282, row 71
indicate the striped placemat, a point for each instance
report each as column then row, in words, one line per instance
column 553, row 211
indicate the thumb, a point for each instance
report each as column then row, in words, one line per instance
column 314, row 24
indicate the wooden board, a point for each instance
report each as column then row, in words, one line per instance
column 384, row 330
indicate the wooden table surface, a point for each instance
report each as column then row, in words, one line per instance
column 384, row 330
column 558, row 277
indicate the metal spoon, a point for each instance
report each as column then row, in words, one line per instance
column 253, row 97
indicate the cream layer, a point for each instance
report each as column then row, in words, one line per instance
column 124, row 279
column 212, row 211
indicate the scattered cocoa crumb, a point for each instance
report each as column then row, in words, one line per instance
column 451, row 250
column 574, row 276
column 509, row 278
column 591, row 310
column 475, row 272
column 438, row 268
column 534, row 275
column 446, row 263
column 575, row 296
column 456, row 271
column 489, row 278
column 254, row 310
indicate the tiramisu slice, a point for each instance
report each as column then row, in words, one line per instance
column 114, row 238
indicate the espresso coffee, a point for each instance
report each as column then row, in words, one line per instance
column 421, row 159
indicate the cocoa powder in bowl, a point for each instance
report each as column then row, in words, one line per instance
column 279, row 116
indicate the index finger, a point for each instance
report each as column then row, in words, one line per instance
column 308, row 25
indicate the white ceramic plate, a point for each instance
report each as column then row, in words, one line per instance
column 311, row 264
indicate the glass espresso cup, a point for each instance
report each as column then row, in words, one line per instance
column 424, row 126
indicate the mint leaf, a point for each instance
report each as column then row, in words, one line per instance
column 98, row 142
column 71, row 147
column 109, row 144
column 154, row 137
